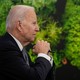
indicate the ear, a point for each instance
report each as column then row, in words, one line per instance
column 19, row 27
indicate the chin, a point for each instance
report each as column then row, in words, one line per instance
column 32, row 40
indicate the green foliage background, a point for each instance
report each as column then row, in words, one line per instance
column 69, row 30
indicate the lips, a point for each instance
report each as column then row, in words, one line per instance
column 34, row 34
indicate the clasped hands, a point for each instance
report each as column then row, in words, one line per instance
column 42, row 47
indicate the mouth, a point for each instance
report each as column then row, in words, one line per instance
column 34, row 34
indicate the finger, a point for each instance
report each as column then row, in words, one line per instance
column 45, row 41
column 33, row 46
column 33, row 50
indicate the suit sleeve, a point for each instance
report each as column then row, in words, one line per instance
column 15, row 67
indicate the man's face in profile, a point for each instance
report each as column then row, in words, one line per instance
column 30, row 26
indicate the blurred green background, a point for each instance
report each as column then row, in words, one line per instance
column 59, row 22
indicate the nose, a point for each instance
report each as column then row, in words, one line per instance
column 37, row 28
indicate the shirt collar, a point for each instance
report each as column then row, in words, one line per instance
column 18, row 42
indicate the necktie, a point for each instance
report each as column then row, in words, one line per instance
column 25, row 56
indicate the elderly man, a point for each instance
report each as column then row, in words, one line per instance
column 15, row 63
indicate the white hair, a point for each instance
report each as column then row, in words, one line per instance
column 16, row 13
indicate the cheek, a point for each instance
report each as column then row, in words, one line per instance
column 28, row 33
column 29, row 30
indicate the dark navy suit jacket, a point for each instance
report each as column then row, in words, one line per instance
column 13, row 66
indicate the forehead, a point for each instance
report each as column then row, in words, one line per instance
column 31, row 15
